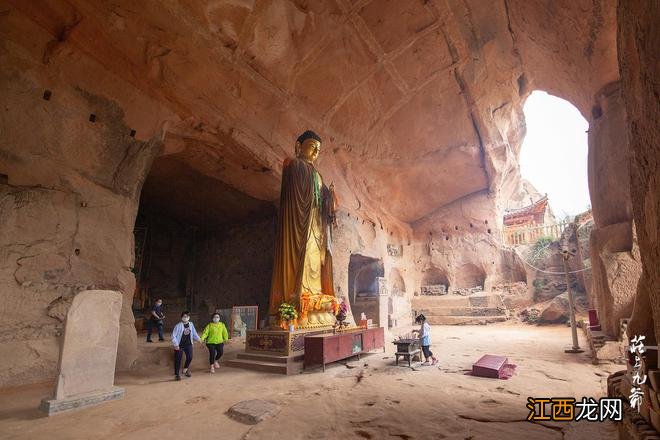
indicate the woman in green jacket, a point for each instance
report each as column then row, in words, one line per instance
column 215, row 335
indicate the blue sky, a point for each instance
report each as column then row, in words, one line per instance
column 554, row 153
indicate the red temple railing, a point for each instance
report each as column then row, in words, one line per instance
column 529, row 234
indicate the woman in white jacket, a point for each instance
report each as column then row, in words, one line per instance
column 183, row 336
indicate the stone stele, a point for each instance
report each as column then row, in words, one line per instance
column 88, row 353
column 253, row 411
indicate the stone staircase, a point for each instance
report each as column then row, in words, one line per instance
column 268, row 363
column 479, row 308
column 607, row 349
column 597, row 339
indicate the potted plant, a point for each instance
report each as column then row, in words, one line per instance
column 288, row 315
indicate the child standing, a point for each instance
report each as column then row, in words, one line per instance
column 424, row 334
column 215, row 334
column 183, row 336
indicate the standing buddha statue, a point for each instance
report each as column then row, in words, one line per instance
column 302, row 267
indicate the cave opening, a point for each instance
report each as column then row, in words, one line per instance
column 470, row 276
column 200, row 245
column 434, row 282
column 553, row 162
column 363, row 285
column 557, row 173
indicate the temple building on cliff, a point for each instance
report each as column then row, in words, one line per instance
column 536, row 214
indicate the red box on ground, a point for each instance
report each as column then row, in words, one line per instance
column 489, row 366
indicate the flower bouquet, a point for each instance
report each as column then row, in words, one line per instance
column 288, row 315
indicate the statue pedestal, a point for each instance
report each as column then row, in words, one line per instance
column 280, row 342
column 275, row 351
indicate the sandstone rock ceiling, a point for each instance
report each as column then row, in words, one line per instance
column 419, row 102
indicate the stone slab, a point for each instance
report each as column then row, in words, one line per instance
column 268, row 363
column 55, row 406
column 89, row 348
column 253, row 411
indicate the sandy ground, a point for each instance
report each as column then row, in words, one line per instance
column 366, row 399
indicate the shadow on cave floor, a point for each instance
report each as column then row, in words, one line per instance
column 367, row 398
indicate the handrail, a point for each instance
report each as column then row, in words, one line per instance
column 519, row 235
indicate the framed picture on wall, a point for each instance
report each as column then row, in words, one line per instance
column 243, row 318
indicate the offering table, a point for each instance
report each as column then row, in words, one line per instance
column 330, row 347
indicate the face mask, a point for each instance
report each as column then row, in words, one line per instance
column 216, row 319
column 185, row 319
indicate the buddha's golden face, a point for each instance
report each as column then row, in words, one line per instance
column 309, row 149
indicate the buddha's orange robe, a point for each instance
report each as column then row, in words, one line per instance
column 298, row 200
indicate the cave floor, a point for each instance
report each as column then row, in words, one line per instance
column 370, row 398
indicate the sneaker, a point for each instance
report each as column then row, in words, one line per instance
column 216, row 364
column 159, row 340
column 435, row 361
column 177, row 377
column 149, row 340
column 187, row 374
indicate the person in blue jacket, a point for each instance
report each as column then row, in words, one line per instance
column 183, row 336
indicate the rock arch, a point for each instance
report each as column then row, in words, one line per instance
column 434, row 282
column 469, row 276
column 363, row 273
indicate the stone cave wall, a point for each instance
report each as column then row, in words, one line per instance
column 638, row 40
column 615, row 259
column 369, row 238
column 68, row 201
column 73, row 157
column 462, row 241
column 234, row 267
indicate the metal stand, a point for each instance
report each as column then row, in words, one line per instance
column 566, row 254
